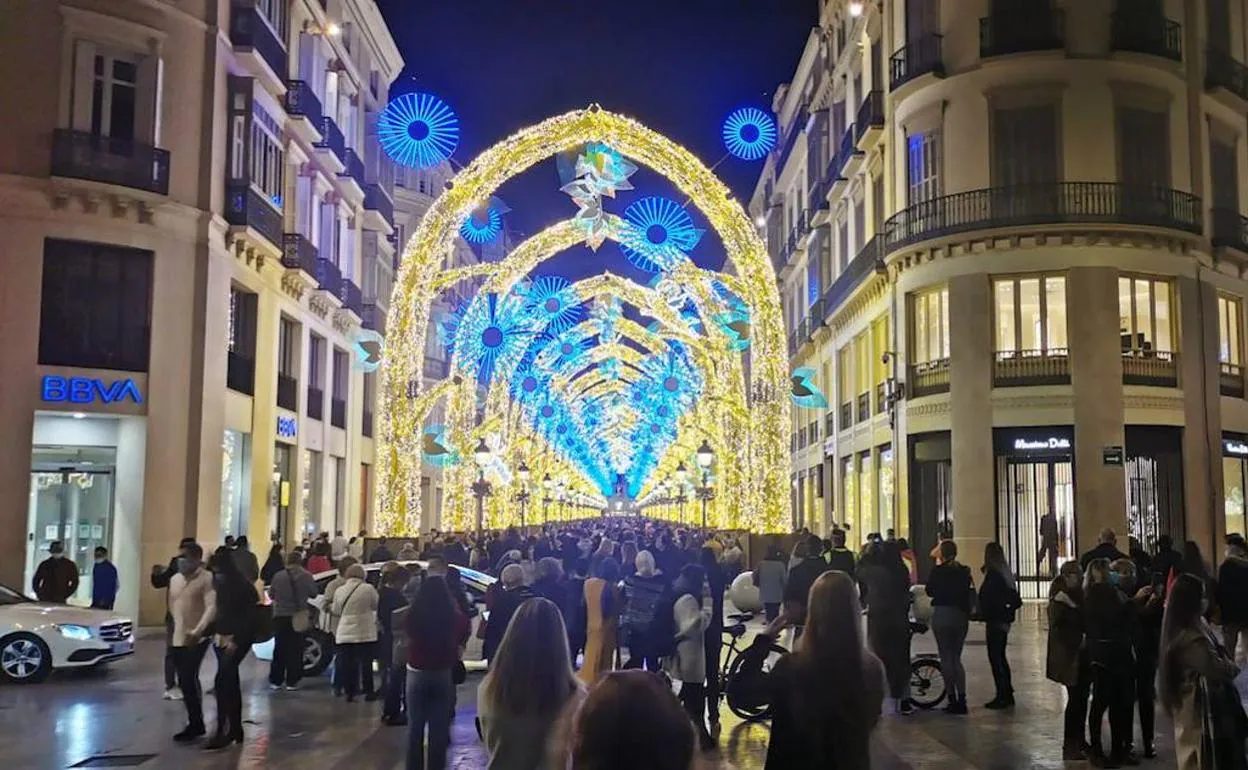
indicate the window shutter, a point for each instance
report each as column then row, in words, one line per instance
column 80, row 93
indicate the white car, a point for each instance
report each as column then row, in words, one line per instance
column 36, row 638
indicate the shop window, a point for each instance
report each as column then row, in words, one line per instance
column 310, row 499
column 1234, row 476
column 866, row 495
column 862, row 375
column 885, row 496
column 849, row 485
column 95, row 309
column 1031, row 315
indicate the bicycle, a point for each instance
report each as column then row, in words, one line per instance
column 927, row 679
column 743, row 671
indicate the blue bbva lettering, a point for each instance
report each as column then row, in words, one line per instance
column 85, row 390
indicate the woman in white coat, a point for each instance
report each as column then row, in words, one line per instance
column 692, row 616
column 355, row 605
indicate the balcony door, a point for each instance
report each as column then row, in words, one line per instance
column 113, row 92
column 1025, row 161
column 1219, row 16
column 922, row 19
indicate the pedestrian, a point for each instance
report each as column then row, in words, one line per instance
column 248, row 564
column 911, row 561
column 1145, row 607
column 691, row 617
column 355, row 547
column 355, row 603
column 512, row 592
column 407, row 552
column 1067, row 660
column 1166, row 560
column 999, row 600
column 233, row 634
column 436, row 631
column 886, row 584
column 193, row 604
column 104, row 581
column 1106, row 548
column 292, row 587
column 1194, row 564
column 827, row 695
column 328, row 621
column 274, row 564
column 629, row 720
column 603, row 606
column 1195, row 683
column 338, row 546
column 840, row 557
column 390, row 599
column 716, row 584
column 381, row 553
column 549, row 584
column 530, row 684
column 770, row 576
column 394, row 706
column 643, row 591
column 56, row 577
column 951, row 589
column 319, row 561
column 1107, row 625
column 802, row 575
column 1232, row 593
column 160, row 579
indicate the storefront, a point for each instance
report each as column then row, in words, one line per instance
column 1234, row 479
column 1155, row 483
column 1035, row 482
column 281, row 492
column 930, row 464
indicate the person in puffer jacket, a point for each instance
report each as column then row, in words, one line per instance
column 355, row 604
column 642, row 591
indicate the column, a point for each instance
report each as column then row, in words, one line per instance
column 970, row 390
column 264, row 420
column 1203, row 490
column 1096, row 379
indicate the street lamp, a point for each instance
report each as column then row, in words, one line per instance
column 705, row 456
column 562, row 497
column 548, row 485
column 481, row 488
column 523, row 495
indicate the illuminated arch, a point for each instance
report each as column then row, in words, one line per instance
column 763, row 449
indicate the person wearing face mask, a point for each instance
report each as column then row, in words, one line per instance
column 103, row 581
column 1067, row 659
column 1145, row 607
column 56, row 578
column 192, row 602
column 1107, row 620
column 161, row 577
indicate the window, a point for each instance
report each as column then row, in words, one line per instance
column 1229, row 325
column 369, row 390
column 340, row 374
column 275, row 13
column 1144, row 316
column 922, row 167
column 860, row 225
column 866, row 493
column 1031, row 315
column 1144, row 147
column 114, row 94
column 287, row 347
column 311, row 495
column 842, row 245
column 95, row 307
column 931, row 326
column 242, row 323
column 812, row 277
column 845, row 377
column 880, row 343
column 863, row 369
column 1224, row 173
column 878, row 204
column 1024, row 145
column 316, row 361
column 268, row 159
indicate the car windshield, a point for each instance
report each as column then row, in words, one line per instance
column 9, row 596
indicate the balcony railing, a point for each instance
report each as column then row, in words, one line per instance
column 250, row 30
column 298, row 253
column 338, row 412
column 246, row 207
column 1045, row 203
column 1015, row 368
column 858, row 270
column 316, row 403
column 864, row 407
column 790, row 139
column 870, row 115
column 928, row 378
column 373, row 318
column 354, row 166
column 817, row 315
column 301, row 102
column 331, row 139
column 351, row 297
column 240, row 373
column 1159, row 368
column 881, row 398
column 366, row 423
column 847, row 415
column 287, row 392
column 1229, row 228
column 1022, row 28
column 375, row 199
column 1146, row 33
column 1231, row 379
column 848, row 149
column 83, row 155
column 328, row 277
column 918, row 57
column 1224, row 71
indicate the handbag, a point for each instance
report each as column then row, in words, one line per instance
column 301, row 621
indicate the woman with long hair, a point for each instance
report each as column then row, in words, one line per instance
column 886, row 588
column 274, row 564
column 949, row 584
column 826, row 695
column 233, row 634
column 602, row 619
column 436, row 630
column 1194, row 683
column 1108, row 620
column 630, row 720
column 998, row 602
column 1067, row 658
column 529, row 685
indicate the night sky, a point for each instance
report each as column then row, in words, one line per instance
column 679, row 66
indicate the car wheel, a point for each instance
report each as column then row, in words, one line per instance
column 25, row 659
column 318, row 650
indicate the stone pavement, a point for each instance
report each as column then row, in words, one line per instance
column 116, row 713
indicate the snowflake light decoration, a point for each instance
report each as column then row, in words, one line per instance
column 418, row 130
column 553, row 301
column 495, row 335
column 750, row 133
column 483, row 225
column 600, row 171
column 658, row 234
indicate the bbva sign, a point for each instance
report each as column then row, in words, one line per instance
column 88, row 390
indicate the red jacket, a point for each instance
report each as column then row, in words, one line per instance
column 436, row 651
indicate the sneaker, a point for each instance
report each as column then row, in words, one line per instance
column 292, row 687
column 906, row 708
column 274, row 687
column 173, row 693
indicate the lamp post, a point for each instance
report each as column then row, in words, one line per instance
column 562, row 497
column 682, row 474
column 548, row 485
column 705, row 456
column 481, row 488
column 523, row 495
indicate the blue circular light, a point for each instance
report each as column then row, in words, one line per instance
column 529, row 384
column 750, row 133
column 492, row 337
column 661, row 230
column 552, row 300
column 474, row 230
column 418, row 130
column 548, row 411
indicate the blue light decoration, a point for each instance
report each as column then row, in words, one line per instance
column 750, row 133
column 435, row 449
column 494, row 334
column 804, row 390
column 367, row 346
column 418, row 130
column 552, row 300
column 483, row 225
column 659, row 233
column 735, row 324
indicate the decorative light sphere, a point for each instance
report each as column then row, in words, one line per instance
column 418, row 130
column 750, row 133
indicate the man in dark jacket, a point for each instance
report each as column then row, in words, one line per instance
column 1166, row 558
column 1232, row 591
column 56, row 578
column 1106, row 549
column 801, row 578
column 505, row 603
column 840, row 557
column 381, row 553
column 247, row 562
column 103, row 581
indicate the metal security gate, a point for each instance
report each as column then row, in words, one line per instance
column 1155, row 484
column 1035, row 519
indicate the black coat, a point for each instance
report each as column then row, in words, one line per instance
column 236, row 609
column 801, row 578
column 506, row 602
column 1102, row 551
column 998, row 600
column 1109, row 623
column 1232, row 590
column 950, row 585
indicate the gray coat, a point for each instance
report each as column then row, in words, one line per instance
column 291, row 589
column 770, row 576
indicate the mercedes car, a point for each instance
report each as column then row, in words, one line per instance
column 37, row 638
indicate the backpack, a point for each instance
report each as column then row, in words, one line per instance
column 662, row 631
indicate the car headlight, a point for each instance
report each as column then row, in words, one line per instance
column 77, row 633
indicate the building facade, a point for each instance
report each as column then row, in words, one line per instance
column 199, row 223
column 1009, row 240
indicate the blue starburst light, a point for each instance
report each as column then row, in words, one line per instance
column 750, row 133
column 804, row 390
column 658, row 235
column 553, row 301
column 418, row 130
column 495, row 334
column 483, row 225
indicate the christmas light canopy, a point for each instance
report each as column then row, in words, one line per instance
column 418, row 130
column 750, row 133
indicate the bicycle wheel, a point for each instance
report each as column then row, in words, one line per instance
column 745, row 697
column 927, row 683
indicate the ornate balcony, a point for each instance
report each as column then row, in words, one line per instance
column 298, row 253
column 1021, row 29
column 869, row 124
column 378, row 208
column 353, row 172
column 1159, row 368
column 83, row 155
column 856, row 272
column 374, row 318
column 916, row 58
column 1016, row 368
column 257, row 44
column 332, row 149
column 245, row 207
column 351, row 297
column 1229, row 229
column 305, row 109
column 328, row 277
column 929, row 378
column 1224, row 71
column 1147, row 33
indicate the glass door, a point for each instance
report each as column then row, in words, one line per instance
column 1036, row 519
column 71, row 501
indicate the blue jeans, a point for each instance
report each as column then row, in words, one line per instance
column 431, row 704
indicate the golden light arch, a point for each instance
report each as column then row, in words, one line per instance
column 404, row 403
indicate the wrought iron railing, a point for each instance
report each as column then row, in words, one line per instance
column 301, row 102
column 918, row 57
column 1146, row 32
column 795, row 129
column 1021, row 28
column 331, row 139
column 1159, row 368
column 287, row 392
column 250, row 30
column 858, row 270
column 328, row 276
column 373, row 318
column 1014, row 368
column 1225, row 71
column 870, row 114
column 929, row 377
column 246, row 207
column 83, row 155
column 240, row 373
column 1229, row 228
column 1045, row 203
column 1231, row 379
column 351, row 297
column 847, row 149
column 375, row 199
column 354, row 166
column 298, row 253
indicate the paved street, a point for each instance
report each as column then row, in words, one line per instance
column 117, row 713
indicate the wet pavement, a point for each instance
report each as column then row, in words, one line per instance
column 116, row 716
